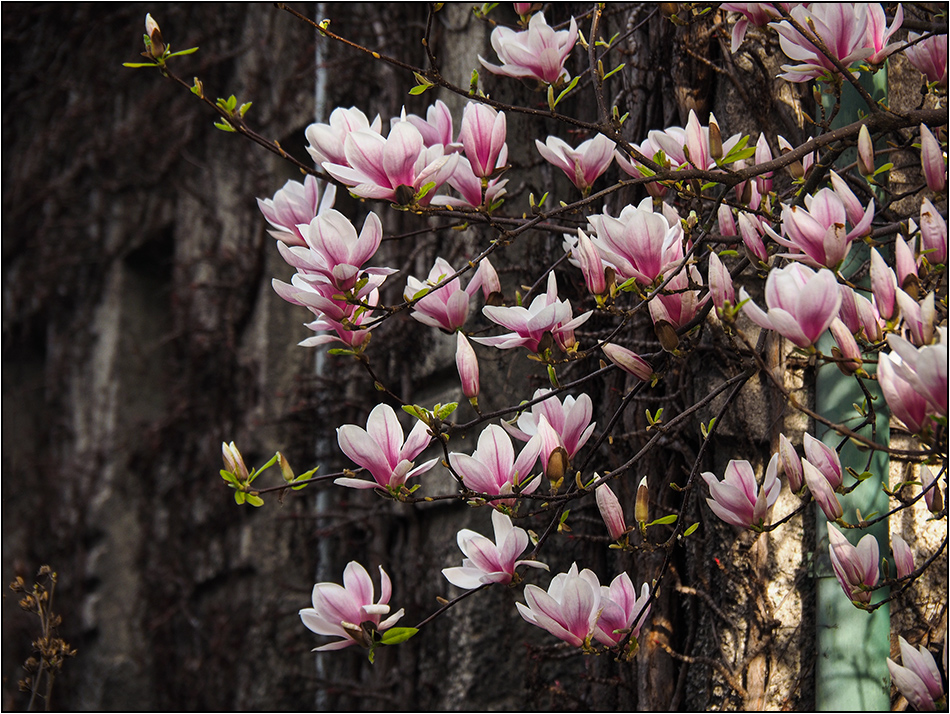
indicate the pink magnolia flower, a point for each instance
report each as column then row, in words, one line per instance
column 822, row 491
column 720, row 284
column 382, row 450
column 802, row 303
column 537, row 53
column 841, row 27
column 492, row 468
column 737, row 499
column 570, row 420
column 546, row 314
column 763, row 154
column 918, row 679
column 879, row 33
column 630, row 362
column 349, row 611
column 688, row 147
column 640, row 243
column 759, row 14
column 570, row 607
column 582, row 165
column 923, row 368
column 883, row 285
column 446, row 304
column 931, row 160
column 467, row 364
column 611, row 511
column 621, row 608
column 857, row 568
column 471, row 189
column 483, row 136
column 799, row 168
column 790, row 464
column 488, row 562
column 751, row 230
column 933, row 233
column 339, row 315
column 591, row 264
column 293, row 205
column 918, row 317
column 825, row 459
column 393, row 168
column 902, row 399
column 334, row 251
column 676, row 304
column 903, row 556
column 436, row 128
column 327, row 140
column 929, row 56
column 860, row 314
column 816, row 234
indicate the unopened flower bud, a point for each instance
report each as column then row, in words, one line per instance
column 156, row 47
column 611, row 511
column 715, row 138
column 865, row 152
column 233, row 461
column 557, row 466
column 931, row 160
column 285, row 469
column 641, row 509
column 667, row 336
column 628, row 361
column 467, row 364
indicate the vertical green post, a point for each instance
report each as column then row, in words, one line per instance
column 853, row 645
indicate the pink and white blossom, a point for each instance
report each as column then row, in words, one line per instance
column 536, row 53
column 790, row 464
column 737, row 499
column 467, row 364
column 382, row 449
column 436, row 128
column 492, row 468
column 841, row 27
column 293, row 205
column 902, row 399
column 344, row 611
column 801, row 302
column 582, row 165
column 676, row 304
column 933, row 233
column 545, row 314
column 629, row 361
column 929, row 56
column 857, row 568
column 720, row 284
column 759, row 14
column 490, row 562
column 640, row 243
column 570, row 607
column 903, row 556
column 923, row 368
column 327, row 140
column 611, row 511
column 918, row 679
column 622, row 612
column 393, row 168
column 570, row 419
column 445, row 305
column 826, row 460
column 932, row 161
column 483, row 135
column 879, row 33
column 821, row 491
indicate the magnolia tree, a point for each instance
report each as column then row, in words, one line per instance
column 785, row 252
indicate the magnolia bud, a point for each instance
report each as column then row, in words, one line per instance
column 715, row 138
column 667, row 336
column 865, row 152
column 641, row 509
column 156, row 46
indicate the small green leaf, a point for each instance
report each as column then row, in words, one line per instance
column 564, row 516
column 615, row 70
column 664, row 520
column 244, row 107
column 239, row 497
column 419, row 89
column 136, row 65
column 446, row 410
column 398, row 634
column 341, row 351
column 564, row 93
column 421, row 294
column 224, row 126
column 254, row 500
column 180, row 53
column 424, row 190
column 692, row 529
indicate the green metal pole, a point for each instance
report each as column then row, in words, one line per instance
column 853, row 645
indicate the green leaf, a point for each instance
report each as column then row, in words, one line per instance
column 565, row 515
column 446, row 410
column 244, row 107
column 424, row 190
column 564, row 93
column 229, row 477
column 421, row 294
column 396, row 635
column 420, row 89
column 664, row 520
column 341, row 351
column 239, row 497
column 255, row 501
column 180, row 53
column 140, row 64
column 615, row 70
column 692, row 529
column 224, row 126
